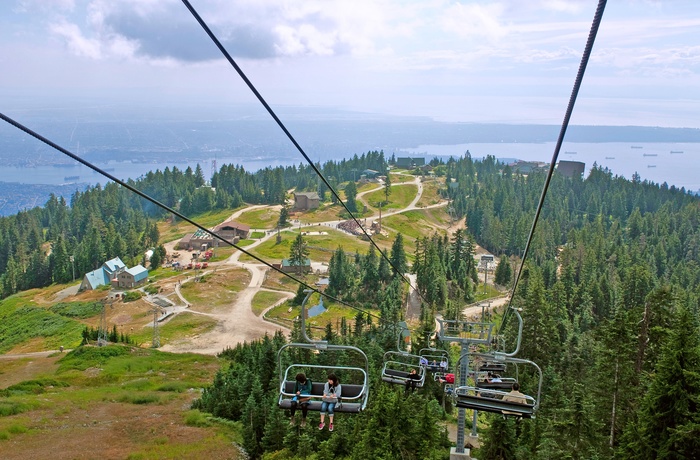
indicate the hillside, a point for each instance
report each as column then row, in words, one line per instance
column 612, row 261
column 122, row 402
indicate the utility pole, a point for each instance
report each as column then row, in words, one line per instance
column 72, row 261
column 486, row 275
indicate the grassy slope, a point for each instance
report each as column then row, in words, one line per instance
column 133, row 403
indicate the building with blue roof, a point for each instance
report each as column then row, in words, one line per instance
column 103, row 275
column 114, row 273
column 133, row 277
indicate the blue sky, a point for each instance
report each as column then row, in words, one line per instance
column 472, row 61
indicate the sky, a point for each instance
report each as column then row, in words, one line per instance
column 510, row 61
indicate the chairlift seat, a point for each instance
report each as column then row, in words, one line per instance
column 399, row 377
column 492, row 367
column 350, row 393
column 506, row 383
column 492, row 401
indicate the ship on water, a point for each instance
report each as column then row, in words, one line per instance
column 609, row 158
column 651, row 166
column 636, row 147
column 71, row 178
column 676, row 151
column 650, row 154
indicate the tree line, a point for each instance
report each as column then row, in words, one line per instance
column 62, row 241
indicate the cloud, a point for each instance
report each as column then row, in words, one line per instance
column 263, row 29
column 477, row 21
column 76, row 42
column 45, row 5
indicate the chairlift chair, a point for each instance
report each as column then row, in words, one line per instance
column 433, row 355
column 398, row 366
column 486, row 398
column 354, row 396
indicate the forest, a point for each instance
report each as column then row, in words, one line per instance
column 100, row 223
column 610, row 298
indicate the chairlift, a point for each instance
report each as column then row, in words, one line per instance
column 354, row 380
column 502, row 383
column 495, row 397
column 495, row 401
column 399, row 364
column 481, row 398
column 491, row 366
column 354, row 395
column 434, row 360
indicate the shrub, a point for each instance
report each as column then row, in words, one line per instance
column 77, row 309
column 132, row 295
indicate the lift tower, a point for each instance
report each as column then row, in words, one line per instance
column 466, row 334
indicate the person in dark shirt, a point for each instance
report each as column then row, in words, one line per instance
column 412, row 381
column 302, row 397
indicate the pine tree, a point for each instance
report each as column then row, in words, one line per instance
column 398, row 255
column 284, row 217
column 387, row 188
column 504, row 272
column 298, row 253
column 668, row 422
column 499, row 440
column 350, row 196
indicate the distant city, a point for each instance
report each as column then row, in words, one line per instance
column 128, row 146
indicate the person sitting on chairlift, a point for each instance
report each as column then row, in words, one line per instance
column 423, row 361
column 412, row 381
column 302, row 393
column 443, row 365
column 332, row 391
column 514, row 396
column 493, row 378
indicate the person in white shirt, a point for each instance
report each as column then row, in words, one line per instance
column 331, row 393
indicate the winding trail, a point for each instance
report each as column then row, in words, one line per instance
column 239, row 323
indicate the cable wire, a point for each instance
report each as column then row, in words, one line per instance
column 272, row 113
column 145, row 196
column 562, row 132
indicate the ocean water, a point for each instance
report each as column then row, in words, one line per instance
column 79, row 173
column 674, row 163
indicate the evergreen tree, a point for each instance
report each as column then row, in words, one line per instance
column 283, row 221
column 499, row 440
column 668, row 422
column 384, row 269
column 370, row 274
column 398, row 256
column 387, row 188
column 275, row 429
column 198, row 176
column 298, row 253
column 350, row 196
column 300, row 296
column 504, row 272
